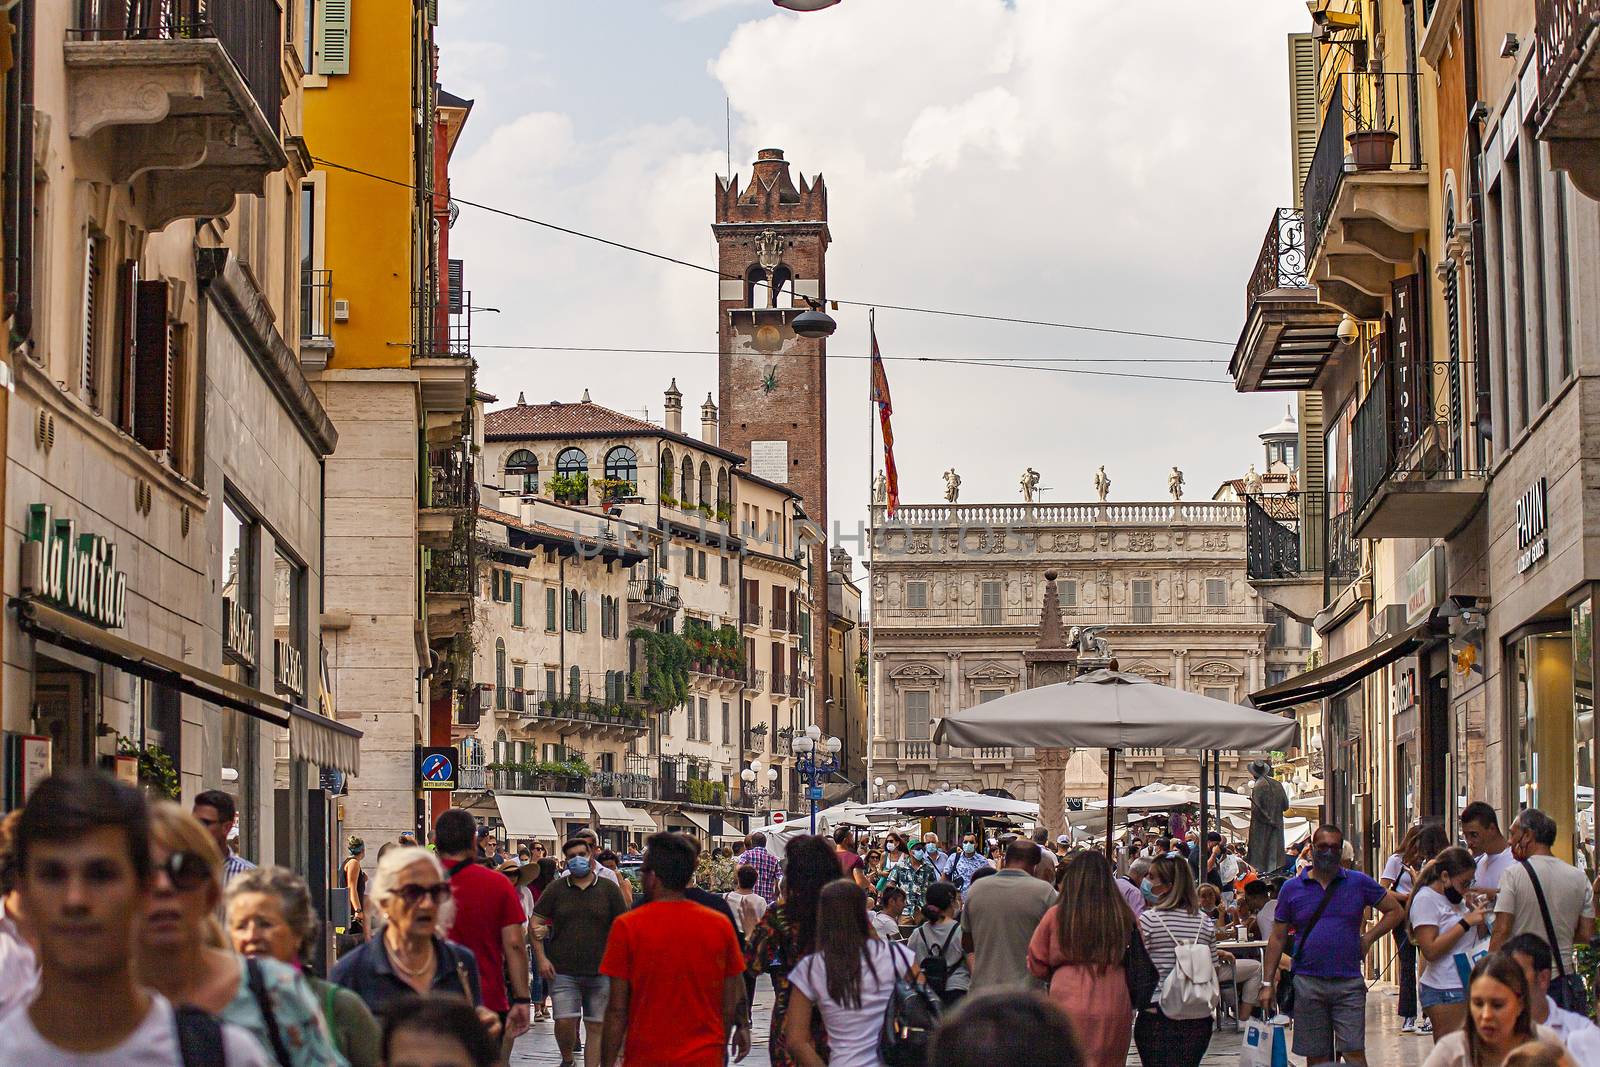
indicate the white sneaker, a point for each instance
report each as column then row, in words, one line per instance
column 1425, row 1027
column 1408, row 1025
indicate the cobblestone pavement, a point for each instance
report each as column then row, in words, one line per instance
column 1386, row 1047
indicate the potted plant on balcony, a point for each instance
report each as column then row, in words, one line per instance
column 614, row 488
column 1373, row 140
column 570, row 488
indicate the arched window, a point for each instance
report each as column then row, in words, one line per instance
column 686, row 483
column 522, row 472
column 705, row 484
column 622, row 464
column 500, row 675
column 572, row 466
column 572, row 461
column 723, row 503
column 665, row 473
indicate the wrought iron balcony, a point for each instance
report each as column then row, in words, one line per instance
column 623, row 785
column 1284, row 541
column 1366, row 192
column 450, row 479
column 316, row 306
column 780, row 618
column 1407, row 450
column 1343, row 563
column 180, row 97
column 449, row 573
column 755, row 678
column 1569, row 98
column 1288, row 335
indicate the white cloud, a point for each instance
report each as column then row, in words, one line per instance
column 1103, row 164
column 685, row 10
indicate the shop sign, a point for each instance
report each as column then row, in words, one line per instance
column 1421, row 586
column 1403, row 693
column 76, row 572
column 28, row 760
column 1532, row 524
column 289, row 668
column 436, row 768
column 238, row 632
column 1409, row 356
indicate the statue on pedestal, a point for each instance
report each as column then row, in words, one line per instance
column 880, row 489
column 1252, row 481
column 1268, row 802
column 952, row 485
column 1102, row 483
column 1175, row 483
column 1030, row 485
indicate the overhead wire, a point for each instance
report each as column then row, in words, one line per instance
column 663, row 257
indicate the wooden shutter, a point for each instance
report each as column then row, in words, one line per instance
column 332, row 55
column 1304, row 114
column 91, row 319
column 516, row 603
column 153, row 370
column 127, row 342
column 454, row 281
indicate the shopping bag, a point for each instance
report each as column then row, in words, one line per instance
column 1266, row 1043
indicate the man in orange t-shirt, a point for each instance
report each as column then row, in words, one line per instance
column 676, row 971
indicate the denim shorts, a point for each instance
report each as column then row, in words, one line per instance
column 572, row 995
column 1429, row 996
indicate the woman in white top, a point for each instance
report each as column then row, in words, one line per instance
column 848, row 980
column 1420, row 844
column 1174, row 918
column 1445, row 928
column 1498, row 1018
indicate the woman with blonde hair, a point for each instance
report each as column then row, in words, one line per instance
column 182, row 954
column 270, row 917
column 411, row 956
column 1174, row 919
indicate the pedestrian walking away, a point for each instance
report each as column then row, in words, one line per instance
column 936, row 945
column 851, row 863
column 573, row 920
column 1420, row 844
column 178, row 955
column 768, row 869
column 83, row 873
column 846, row 981
column 1080, row 948
column 1169, row 926
column 1449, row 934
column 1046, row 870
column 1499, row 1018
column 270, row 917
column 488, row 921
column 999, row 919
column 675, row 969
column 1326, row 905
column 787, row 933
column 1547, row 897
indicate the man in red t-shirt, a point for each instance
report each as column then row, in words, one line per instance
column 844, row 843
column 489, row 919
column 676, row 971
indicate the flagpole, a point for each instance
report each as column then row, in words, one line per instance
column 872, row 502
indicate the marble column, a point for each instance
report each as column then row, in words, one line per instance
column 1053, row 789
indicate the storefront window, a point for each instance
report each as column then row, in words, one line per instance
column 1583, row 749
column 238, row 746
column 1542, row 724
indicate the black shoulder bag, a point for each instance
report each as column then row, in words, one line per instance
column 1558, row 988
column 199, row 1037
column 1139, row 971
column 1302, row 938
column 269, row 1019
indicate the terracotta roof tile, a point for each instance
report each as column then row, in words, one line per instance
column 585, row 419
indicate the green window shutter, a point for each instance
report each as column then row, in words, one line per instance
column 516, row 604
column 1304, row 113
column 332, row 48
column 550, row 610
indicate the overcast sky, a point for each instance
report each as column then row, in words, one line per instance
column 1110, row 163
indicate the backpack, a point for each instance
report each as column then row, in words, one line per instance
column 936, row 970
column 1190, row 989
column 910, row 1019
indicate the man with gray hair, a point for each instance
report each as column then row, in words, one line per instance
column 1046, row 871
column 1549, row 898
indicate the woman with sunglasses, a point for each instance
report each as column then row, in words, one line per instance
column 181, row 951
column 411, row 957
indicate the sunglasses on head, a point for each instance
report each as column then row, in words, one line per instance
column 412, row 895
column 187, row 870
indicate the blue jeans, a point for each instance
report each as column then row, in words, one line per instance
column 1432, row 996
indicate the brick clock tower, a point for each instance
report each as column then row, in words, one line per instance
column 772, row 247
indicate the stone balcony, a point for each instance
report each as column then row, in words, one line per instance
column 1569, row 88
column 181, row 101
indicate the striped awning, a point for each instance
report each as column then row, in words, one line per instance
column 323, row 741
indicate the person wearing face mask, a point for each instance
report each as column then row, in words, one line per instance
column 576, row 913
column 914, row 874
column 966, row 864
column 1325, row 905
column 1444, row 928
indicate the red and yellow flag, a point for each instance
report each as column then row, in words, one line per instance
column 880, row 397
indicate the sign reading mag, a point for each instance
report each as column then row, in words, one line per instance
column 76, row 572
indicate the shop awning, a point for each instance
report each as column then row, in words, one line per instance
column 700, row 819
column 312, row 737
column 640, row 820
column 525, row 816
column 573, row 809
column 611, row 813
column 1340, row 674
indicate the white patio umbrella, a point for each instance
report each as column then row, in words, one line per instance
column 1112, row 710
column 951, row 801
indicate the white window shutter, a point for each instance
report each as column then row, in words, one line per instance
column 333, row 38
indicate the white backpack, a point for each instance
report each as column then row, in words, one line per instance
column 1190, row 989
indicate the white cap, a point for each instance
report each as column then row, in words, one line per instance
column 1063, row 839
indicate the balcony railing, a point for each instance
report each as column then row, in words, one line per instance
column 316, row 305
column 653, row 591
column 450, row 479
column 755, row 678
column 517, row 781
column 780, row 619
column 1281, row 263
column 1370, row 125
column 1564, row 30
column 780, row 682
column 1343, row 564
column 796, row 683
column 449, row 572
column 1272, row 541
column 250, row 32
column 623, row 785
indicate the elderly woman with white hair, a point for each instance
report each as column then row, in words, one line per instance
column 411, row 955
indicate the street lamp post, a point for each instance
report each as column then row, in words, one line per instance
column 754, row 773
column 815, row 757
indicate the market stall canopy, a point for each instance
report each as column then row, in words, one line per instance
column 640, row 820
column 612, row 813
column 1111, row 709
column 1163, row 797
column 954, row 801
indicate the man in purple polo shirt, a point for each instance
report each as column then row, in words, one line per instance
column 1330, row 996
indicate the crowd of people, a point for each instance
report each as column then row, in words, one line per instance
column 131, row 932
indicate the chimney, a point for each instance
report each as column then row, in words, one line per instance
column 708, row 421
column 840, row 557
column 673, row 407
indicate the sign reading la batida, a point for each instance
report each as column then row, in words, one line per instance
column 77, row 572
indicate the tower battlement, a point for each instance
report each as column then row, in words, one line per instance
column 772, row 195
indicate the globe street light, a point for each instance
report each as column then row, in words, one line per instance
column 755, row 773
column 815, row 757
